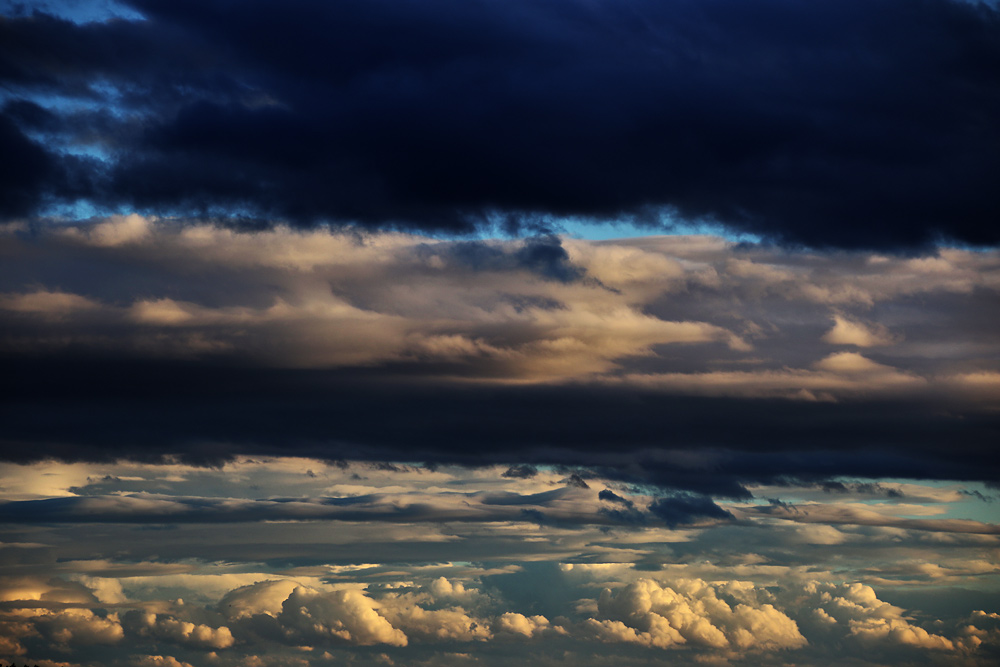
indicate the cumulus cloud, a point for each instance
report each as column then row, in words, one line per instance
column 397, row 605
column 264, row 597
column 647, row 612
column 870, row 620
column 179, row 631
column 519, row 624
column 159, row 661
column 342, row 616
column 75, row 627
column 448, row 624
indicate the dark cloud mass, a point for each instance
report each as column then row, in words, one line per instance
column 685, row 509
column 835, row 123
column 103, row 410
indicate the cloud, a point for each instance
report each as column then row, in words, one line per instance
column 686, row 509
column 842, row 374
column 120, row 230
column 521, row 472
column 762, row 118
column 512, row 325
column 872, row 515
column 873, row 621
column 319, row 330
column 416, row 615
column 850, row 332
column 345, row 616
column 412, row 586
column 77, row 627
column 46, row 304
column 178, row 631
column 264, row 597
column 611, row 496
column 519, row 624
column 664, row 617
column 159, row 661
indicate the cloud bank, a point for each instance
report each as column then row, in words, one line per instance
column 490, row 567
column 205, row 343
column 835, row 123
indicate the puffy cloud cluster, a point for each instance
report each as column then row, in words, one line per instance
column 344, row 615
column 981, row 629
column 691, row 612
column 265, row 597
column 526, row 626
column 70, row 627
column 694, row 618
column 159, row 661
column 165, row 627
column 857, row 609
column 54, row 611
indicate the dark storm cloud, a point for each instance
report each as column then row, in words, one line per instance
column 683, row 509
column 520, row 472
column 104, row 409
column 543, row 255
column 612, row 497
column 24, row 178
column 872, row 488
column 844, row 123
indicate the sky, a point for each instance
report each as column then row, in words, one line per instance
column 547, row 332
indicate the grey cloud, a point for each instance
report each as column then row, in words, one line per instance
column 683, row 509
column 523, row 472
column 320, row 327
column 611, row 496
column 834, row 514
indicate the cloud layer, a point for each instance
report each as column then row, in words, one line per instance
column 834, row 123
column 304, row 363
column 202, row 342
column 452, row 565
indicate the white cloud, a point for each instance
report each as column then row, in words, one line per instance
column 78, row 627
column 345, row 616
column 265, row 597
column 47, row 303
column 185, row 632
column 692, row 613
column 519, row 624
column 852, row 332
column 120, row 230
column 158, row 661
